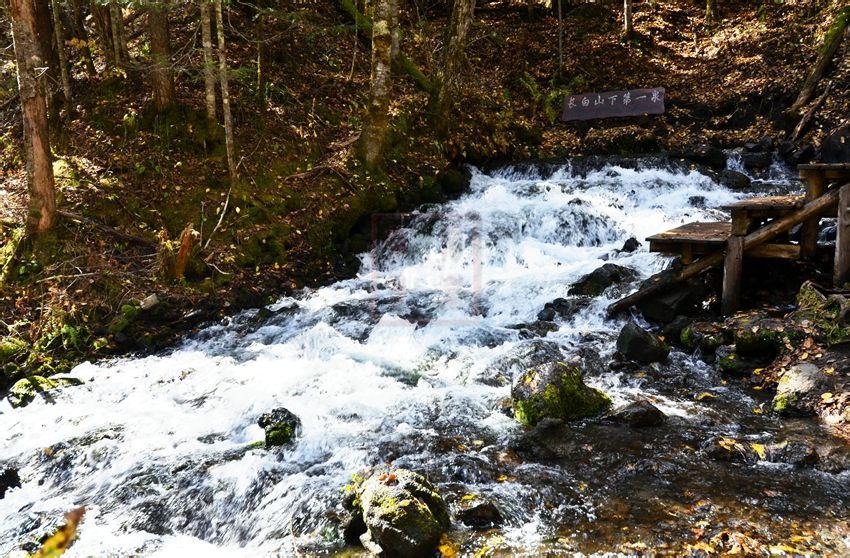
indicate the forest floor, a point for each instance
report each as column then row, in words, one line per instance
column 302, row 207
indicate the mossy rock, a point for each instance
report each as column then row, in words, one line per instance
column 405, row 514
column 281, row 427
column 705, row 336
column 24, row 390
column 555, row 390
column 10, row 347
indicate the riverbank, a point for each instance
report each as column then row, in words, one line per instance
column 106, row 285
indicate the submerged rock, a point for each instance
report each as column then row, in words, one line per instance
column 555, row 390
column 563, row 307
column 638, row 415
column 9, row 478
column 25, row 390
column 281, row 426
column 707, row 155
column 595, row 282
column 630, row 245
column 635, row 343
column 404, row 514
column 734, row 180
column 799, row 390
column 479, row 514
column 534, row 329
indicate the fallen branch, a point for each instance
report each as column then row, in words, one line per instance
column 109, row 230
column 220, row 217
column 832, row 41
column 807, row 118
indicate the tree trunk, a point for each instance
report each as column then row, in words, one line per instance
column 79, row 26
column 560, row 39
column 45, row 35
column 42, row 204
column 453, row 56
column 60, row 49
column 395, row 29
column 832, row 42
column 225, row 94
column 711, row 10
column 377, row 116
column 628, row 25
column 119, row 39
column 103, row 23
column 261, row 62
column 209, row 63
column 162, row 79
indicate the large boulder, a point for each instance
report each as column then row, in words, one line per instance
column 734, row 180
column 555, row 390
column 679, row 299
column 757, row 161
column 835, row 148
column 799, row 390
column 707, row 155
column 281, row 426
column 524, row 355
column 637, row 344
column 595, row 282
column 404, row 514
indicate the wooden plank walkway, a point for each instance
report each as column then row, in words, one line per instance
column 754, row 222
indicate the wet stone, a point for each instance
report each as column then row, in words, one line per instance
column 9, row 479
column 281, row 426
column 630, row 245
column 480, row 515
column 734, row 180
column 799, row 390
column 555, row 390
column 566, row 308
column 635, row 343
column 597, row 281
column 638, row 415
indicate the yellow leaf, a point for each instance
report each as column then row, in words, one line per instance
column 826, row 396
column 467, row 497
column 804, row 356
column 759, row 449
column 447, row 548
column 706, row 395
column 62, row 539
column 758, row 371
column 758, row 411
column 502, row 478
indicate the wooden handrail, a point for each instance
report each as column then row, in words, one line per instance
column 756, row 238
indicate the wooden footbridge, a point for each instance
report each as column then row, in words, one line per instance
column 758, row 229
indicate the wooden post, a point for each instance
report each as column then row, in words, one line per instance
column 842, row 240
column 732, row 266
column 815, row 186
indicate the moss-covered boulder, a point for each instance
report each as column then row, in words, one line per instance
column 26, row 389
column 799, row 390
column 826, row 318
column 555, row 390
column 705, row 336
column 10, row 347
column 637, row 344
column 281, row 427
column 403, row 512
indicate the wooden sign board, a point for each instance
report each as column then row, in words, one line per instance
column 634, row 102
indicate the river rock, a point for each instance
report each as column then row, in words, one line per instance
column 281, row 426
column 679, row 299
column 756, row 161
column 707, row 155
column 705, row 336
column 563, row 307
column 538, row 328
column 595, row 282
column 404, row 514
column 26, row 389
column 757, row 335
column 799, row 390
column 524, row 355
column 638, row 415
column 555, row 390
column 9, row 478
column 635, row 343
column 835, row 148
column 734, row 180
column 673, row 330
column 630, row 245
column 479, row 515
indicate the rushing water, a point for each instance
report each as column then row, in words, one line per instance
column 402, row 365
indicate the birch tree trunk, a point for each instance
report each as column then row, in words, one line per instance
column 209, row 63
column 42, row 203
column 453, row 57
column 225, row 94
column 60, row 49
column 377, row 116
column 162, row 79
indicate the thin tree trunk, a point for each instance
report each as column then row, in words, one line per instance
column 79, row 25
column 209, row 63
column 395, row 29
column 225, row 94
column 60, row 49
column 103, row 23
column 711, row 10
column 560, row 39
column 45, row 35
column 628, row 25
column 261, row 61
column 162, row 79
column 453, row 57
column 377, row 116
column 42, row 204
column 114, row 19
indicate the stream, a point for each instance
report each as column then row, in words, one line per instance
column 409, row 364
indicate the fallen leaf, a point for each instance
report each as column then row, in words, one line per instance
column 706, row 395
column 759, row 449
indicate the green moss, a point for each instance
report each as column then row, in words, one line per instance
column 118, row 324
column 729, row 364
column 565, row 397
column 11, row 347
column 25, row 390
column 280, row 436
column 780, row 403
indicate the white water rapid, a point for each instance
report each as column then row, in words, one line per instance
column 392, row 366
